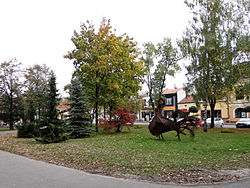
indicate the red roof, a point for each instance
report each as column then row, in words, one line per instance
column 64, row 104
column 187, row 100
column 63, row 107
column 171, row 91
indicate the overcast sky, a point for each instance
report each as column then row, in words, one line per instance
column 40, row 31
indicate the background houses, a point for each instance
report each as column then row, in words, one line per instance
column 173, row 97
column 230, row 110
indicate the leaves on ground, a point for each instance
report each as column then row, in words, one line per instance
column 137, row 154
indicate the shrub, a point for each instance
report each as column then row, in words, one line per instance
column 28, row 130
column 193, row 109
column 226, row 131
column 246, row 109
column 121, row 117
column 52, row 133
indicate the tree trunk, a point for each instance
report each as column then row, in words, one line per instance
column 149, row 84
column 96, row 117
column 152, row 102
column 118, row 128
column 205, row 118
column 96, row 107
column 39, row 112
column 11, row 112
column 104, row 112
column 212, row 106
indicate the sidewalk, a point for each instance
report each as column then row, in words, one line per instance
column 20, row 172
column 7, row 132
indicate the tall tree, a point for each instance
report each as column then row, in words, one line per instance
column 79, row 112
column 10, row 89
column 214, row 44
column 167, row 65
column 51, row 129
column 52, row 100
column 107, row 64
column 150, row 54
column 36, row 82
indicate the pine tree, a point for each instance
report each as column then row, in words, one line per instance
column 52, row 130
column 52, row 101
column 79, row 112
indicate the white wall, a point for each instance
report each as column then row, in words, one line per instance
column 180, row 95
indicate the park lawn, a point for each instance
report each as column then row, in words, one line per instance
column 4, row 129
column 138, row 153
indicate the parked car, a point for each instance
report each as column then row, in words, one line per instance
column 196, row 121
column 218, row 122
column 244, row 122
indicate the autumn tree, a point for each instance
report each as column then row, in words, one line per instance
column 36, row 82
column 215, row 43
column 107, row 64
column 167, row 57
column 149, row 56
column 11, row 108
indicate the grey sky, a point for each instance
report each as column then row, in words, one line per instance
column 39, row 31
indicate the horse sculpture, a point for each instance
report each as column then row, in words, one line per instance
column 160, row 124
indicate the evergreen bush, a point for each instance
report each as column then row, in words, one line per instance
column 52, row 133
column 28, row 130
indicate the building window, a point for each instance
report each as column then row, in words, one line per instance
column 168, row 114
column 169, row 101
column 217, row 113
column 203, row 114
column 239, row 113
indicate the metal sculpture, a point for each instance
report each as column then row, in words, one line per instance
column 160, row 124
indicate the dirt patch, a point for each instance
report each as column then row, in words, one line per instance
column 245, row 172
column 192, row 176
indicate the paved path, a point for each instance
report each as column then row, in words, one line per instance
column 7, row 132
column 20, row 172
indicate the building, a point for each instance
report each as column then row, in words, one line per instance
column 63, row 107
column 186, row 103
column 237, row 102
column 230, row 110
column 146, row 112
column 220, row 110
column 173, row 97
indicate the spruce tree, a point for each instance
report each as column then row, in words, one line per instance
column 52, row 129
column 79, row 112
column 52, row 99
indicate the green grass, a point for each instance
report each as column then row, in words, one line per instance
column 139, row 153
column 4, row 129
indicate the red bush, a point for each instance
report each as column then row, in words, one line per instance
column 121, row 118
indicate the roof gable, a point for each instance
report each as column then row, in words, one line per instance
column 188, row 99
column 171, row 91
